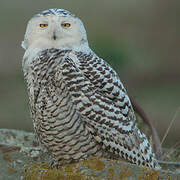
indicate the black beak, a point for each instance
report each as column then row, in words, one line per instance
column 54, row 35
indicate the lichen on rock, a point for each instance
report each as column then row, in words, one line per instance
column 22, row 158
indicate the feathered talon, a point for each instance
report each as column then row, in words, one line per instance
column 54, row 164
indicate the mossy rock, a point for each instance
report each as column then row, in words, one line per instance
column 22, row 158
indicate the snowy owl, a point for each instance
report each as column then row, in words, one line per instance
column 78, row 104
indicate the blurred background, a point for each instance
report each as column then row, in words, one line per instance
column 140, row 39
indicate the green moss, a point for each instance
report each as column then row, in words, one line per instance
column 38, row 171
column 44, row 172
column 125, row 173
column 10, row 170
column 93, row 168
column 94, row 164
column 111, row 172
column 148, row 174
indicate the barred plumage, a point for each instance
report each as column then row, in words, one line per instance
column 78, row 103
column 55, row 12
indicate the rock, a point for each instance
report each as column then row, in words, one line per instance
column 22, row 158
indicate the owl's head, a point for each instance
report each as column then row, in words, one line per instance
column 55, row 28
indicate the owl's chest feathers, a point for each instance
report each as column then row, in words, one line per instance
column 44, row 97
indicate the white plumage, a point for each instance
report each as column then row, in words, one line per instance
column 78, row 104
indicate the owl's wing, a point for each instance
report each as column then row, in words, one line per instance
column 104, row 79
column 107, row 81
column 117, row 133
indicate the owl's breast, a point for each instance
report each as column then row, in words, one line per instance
column 49, row 99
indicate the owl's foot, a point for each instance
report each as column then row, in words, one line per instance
column 55, row 164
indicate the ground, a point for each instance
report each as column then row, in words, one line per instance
column 22, row 158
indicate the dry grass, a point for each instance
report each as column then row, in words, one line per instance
column 170, row 125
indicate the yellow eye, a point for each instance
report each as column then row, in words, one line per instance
column 43, row 25
column 65, row 25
